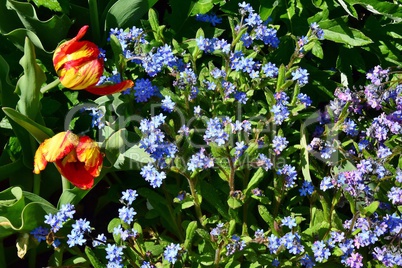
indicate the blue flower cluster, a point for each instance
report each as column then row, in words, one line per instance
column 129, row 40
column 172, row 252
column 210, row 17
column 97, row 117
column 200, row 161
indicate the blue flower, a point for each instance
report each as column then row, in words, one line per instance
column 270, row 69
column 127, row 214
column 279, row 144
column 301, row 76
column 153, row 176
column 171, row 252
column 129, row 196
column 40, row 233
column 114, row 254
column 100, row 240
column 168, row 104
column 289, row 221
column 307, row 188
column 211, row 18
column 200, row 161
column 264, row 162
column 321, row 253
column 144, row 90
column 215, row 132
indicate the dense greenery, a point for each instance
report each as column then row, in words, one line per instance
column 257, row 134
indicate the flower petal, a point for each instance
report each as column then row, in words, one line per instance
column 76, row 173
column 53, row 149
column 110, row 89
column 81, row 76
column 88, row 152
column 64, row 49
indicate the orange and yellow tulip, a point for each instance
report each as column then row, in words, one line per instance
column 78, row 159
column 79, row 66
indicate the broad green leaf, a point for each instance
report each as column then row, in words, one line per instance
column 21, row 211
column 234, row 202
column 124, row 13
column 338, row 31
column 39, row 132
column 50, row 32
column 54, row 5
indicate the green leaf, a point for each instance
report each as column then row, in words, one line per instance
column 348, row 8
column 202, row 7
column 154, row 22
column 96, row 263
column 50, row 31
column 234, row 202
column 125, row 13
column 255, row 180
column 28, row 86
column 54, row 5
column 387, row 9
column 39, row 132
column 268, row 218
column 21, row 211
column 190, row 232
column 304, row 158
column 370, row 209
column 338, row 31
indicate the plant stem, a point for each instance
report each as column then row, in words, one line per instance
column 197, row 205
column 94, row 18
column 50, row 86
column 232, row 172
column 65, row 184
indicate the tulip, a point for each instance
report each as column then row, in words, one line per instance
column 79, row 66
column 78, row 159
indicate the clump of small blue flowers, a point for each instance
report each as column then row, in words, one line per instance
column 172, row 252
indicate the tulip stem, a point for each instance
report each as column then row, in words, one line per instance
column 50, row 86
column 94, row 18
column 65, row 184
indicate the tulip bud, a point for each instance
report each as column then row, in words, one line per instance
column 79, row 66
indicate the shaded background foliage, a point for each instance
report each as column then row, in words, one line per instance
column 358, row 36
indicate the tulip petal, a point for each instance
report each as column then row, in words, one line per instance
column 53, row 149
column 59, row 56
column 110, row 89
column 88, row 152
column 81, row 76
column 76, row 173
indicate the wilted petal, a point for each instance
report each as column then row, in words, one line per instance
column 88, row 152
